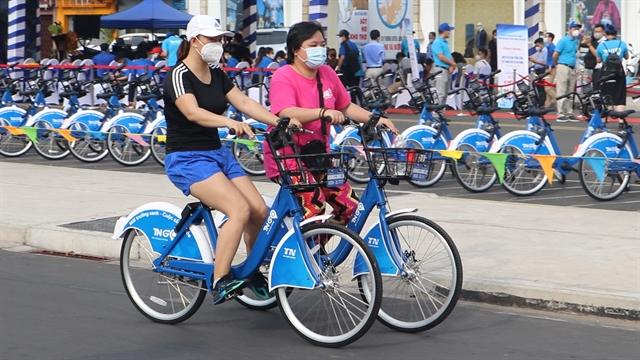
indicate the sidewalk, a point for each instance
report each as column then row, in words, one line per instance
column 545, row 257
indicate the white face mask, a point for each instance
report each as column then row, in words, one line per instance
column 153, row 57
column 597, row 36
column 211, row 52
column 575, row 33
column 478, row 57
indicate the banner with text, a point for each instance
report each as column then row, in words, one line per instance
column 512, row 53
column 387, row 17
column 352, row 16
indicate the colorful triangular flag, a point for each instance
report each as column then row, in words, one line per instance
column 137, row 138
column 498, row 160
column 454, row 154
column 546, row 162
column 31, row 132
column 597, row 164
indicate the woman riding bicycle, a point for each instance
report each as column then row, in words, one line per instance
column 196, row 93
column 295, row 93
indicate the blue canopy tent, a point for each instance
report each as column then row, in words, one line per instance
column 149, row 14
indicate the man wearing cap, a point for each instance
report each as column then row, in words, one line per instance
column 144, row 46
column 565, row 56
column 443, row 61
column 348, row 69
column 375, row 56
column 170, row 47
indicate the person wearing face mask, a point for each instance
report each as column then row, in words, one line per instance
column 590, row 60
column 565, row 57
column 310, row 91
column 482, row 69
column 616, row 87
column 539, row 60
column 443, row 61
column 196, row 94
column 551, row 67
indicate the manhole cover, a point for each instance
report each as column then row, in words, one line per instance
column 101, row 225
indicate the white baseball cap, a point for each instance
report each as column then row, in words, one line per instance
column 205, row 25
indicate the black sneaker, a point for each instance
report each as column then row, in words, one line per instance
column 227, row 288
column 562, row 119
column 258, row 284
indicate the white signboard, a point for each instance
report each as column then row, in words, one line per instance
column 513, row 51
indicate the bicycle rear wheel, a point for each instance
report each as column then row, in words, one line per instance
column 12, row 145
column 424, row 298
column 613, row 183
column 50, row 145
column 158, row 144
column 520, row 177
column 473, row 171
column 339, row 311
column 86, row 148
column 163, row 298
column 124, row 149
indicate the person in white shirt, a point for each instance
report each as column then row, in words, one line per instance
column 539, row 60
column 482, row 68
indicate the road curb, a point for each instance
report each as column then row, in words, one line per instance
column 509, row 294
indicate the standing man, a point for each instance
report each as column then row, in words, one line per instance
column 348, row 62
column 539, row 60
column 551, row 66
column 590, row 60
column 104, row 58
column 432, row 37
column 374, row 56
column 565, row 57
column 443, row 61
column 170, row 47
column 610, row 53
column 404, row 46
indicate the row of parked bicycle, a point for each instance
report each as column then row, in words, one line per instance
column 604, row 159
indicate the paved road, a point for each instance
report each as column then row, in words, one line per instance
column 568, row 194
column 61, row 308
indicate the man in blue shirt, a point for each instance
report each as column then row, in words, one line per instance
column 404, row 46
column 551, row 66
column 104, row 58
column 170, row 47
column 432, row 38
column 443, row 61
column 349, row 53
column 565, row 58
column 616, row 87
column 374, row 56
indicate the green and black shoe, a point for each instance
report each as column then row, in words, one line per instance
column 227, row 288
column 258, row 284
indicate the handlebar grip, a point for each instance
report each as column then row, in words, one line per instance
column 433, row 76
column 453, row 92
column 635, row 97
column 255, row 130
column 495, row 73
column 502, row 95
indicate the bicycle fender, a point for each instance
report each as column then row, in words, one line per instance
column 605, row 142
column 160, row 121
column 55, row 117
column 157, row 221
column 131, row 121
column 287, row 265
column 12, row 114
column 91, row 118
column 423, row 135
column 401, row 211
column 382, row 253
column 525, row 141
column 474, row 137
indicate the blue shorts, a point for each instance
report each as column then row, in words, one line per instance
column 185, row 168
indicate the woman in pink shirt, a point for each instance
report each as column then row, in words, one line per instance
column 294, row 93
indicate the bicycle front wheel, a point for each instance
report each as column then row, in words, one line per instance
column 163, row 298
column 427, row 295
column 86, row 148
column 158, row 144
column 473, row 171
column 50, row 145
column 12, row 145
column 523, row 175
column 125, row 149
column 344, row 306
column 612, row 184
column 249, row 156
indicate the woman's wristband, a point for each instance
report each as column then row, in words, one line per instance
column 322, row 111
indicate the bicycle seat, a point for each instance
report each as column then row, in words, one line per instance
column 436, row 107
column 105, row 95
column 381, row 106
column 67, row 94
column 487, row 111
column 28, row 92
column 621, row 114
column 540, row 112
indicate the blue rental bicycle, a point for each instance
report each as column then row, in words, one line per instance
column 420, row 264
column 329, row 299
